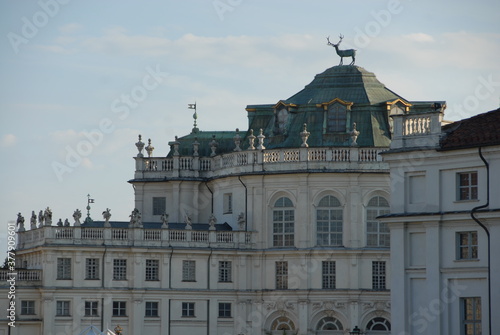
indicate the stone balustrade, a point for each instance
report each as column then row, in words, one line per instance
column 136, row 237
column 416, row 130
column 20, row 275
column 250, row 161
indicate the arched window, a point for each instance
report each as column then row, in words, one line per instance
column 378, row 326
column 282, row 323
column 377, row 233
column 329, row 222
column 283, row 223
column 336, row 118
column 329, row 323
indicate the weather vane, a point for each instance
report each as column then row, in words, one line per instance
column 195, row 116
column 343, row 53
column 89, row 201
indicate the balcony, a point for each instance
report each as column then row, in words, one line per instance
column 260, row 161
column 133, row 237
column 22, row 277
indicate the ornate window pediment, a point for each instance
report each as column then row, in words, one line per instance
column 282, row 117
column 398, row 107
column 336, row 115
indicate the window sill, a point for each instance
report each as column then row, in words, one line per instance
column 463, row 260
column 91, row 316
column 92, row 279
column 189, row 281
column 465, row 201
column 188, row 316
column 120, row 316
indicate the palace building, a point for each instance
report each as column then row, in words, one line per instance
column 269, row 230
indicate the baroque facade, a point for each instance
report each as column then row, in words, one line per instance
column 445, row 224
column 271, row 230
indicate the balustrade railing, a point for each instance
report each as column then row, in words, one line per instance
column 53, row 235
column 21, row 275
column 250, row 158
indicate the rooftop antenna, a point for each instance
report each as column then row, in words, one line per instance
column 195, row 117
column 89, row 201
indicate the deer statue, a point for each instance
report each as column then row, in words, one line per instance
column 343, row 53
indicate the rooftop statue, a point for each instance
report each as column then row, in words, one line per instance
column 343, row 53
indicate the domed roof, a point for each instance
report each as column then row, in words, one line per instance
column 349, row 83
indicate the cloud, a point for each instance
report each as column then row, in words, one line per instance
column 420, row 37
column 8, row 140
column 70, row 28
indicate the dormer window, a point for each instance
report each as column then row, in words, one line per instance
column 281, row 120
column 336, row 118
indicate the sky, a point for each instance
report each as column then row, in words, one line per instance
column 79, row 81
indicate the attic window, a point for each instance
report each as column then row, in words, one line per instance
column 336, row 118
column 281, row 120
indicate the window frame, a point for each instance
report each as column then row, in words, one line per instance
column 91, row 308
column 469, row 192
column 188, row 310
column 464, row 321
column 119, row 269
column 227, row 206
column 119, row 308
column 151, row 309
column 471, row 248
column 379, row 275
column 225, row 310
column 63, row 308
column 92, row 270
column 158, row 205
column 188, row 271
column 281, row 275
column 63, row 268
column 328, row 275
column 225, row 271
column 327, row 222
column 152, row 270
column 28, row 307
column 283, row 223
column 381, row 233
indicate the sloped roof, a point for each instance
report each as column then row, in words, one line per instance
column 479, row 130
column 349, row 83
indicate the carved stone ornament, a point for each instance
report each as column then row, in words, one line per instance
column 212, row 221
column 196, row 146
column 304, row 134
column 251, row 140
column 107, row 215
column 354, row 135
column 188, row 220
column 20, row 222
column 213, row 146
column 164, row 220
column 237, row 140
column 149, row 148
column 33, row 220
column 140, row 146
column 261, row 138
column 77, row 216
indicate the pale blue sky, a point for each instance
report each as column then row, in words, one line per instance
column 65, row 68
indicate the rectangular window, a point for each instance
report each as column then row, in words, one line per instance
column 188, row 271
column 328, row 274
column 27, row 307
column 159, row 205
column 225, row 271
column 92, row 268
column 188, row 309
column 467, row 245
column 91, row 308
column 119, row 308
column 62, row 308
column 470, row 310
column 224, row 310
column 119, row 269
column 378, row 275
column 228, row 203
column 467, row 186
column 151, row 308
column 64, row 268
column 282, row 275
column 152, row 269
